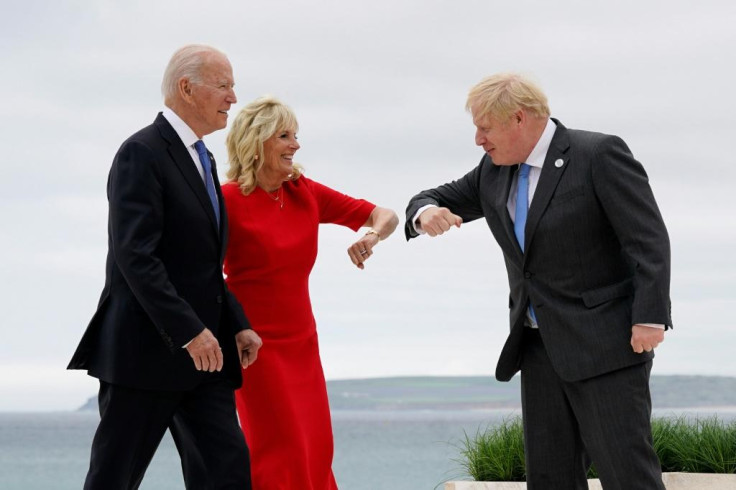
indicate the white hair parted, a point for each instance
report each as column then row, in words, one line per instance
column 187, row 63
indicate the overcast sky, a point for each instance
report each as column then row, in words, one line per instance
column 379, row 89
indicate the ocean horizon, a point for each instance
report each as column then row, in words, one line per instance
column 373, row 449
column 390, row 433
column 399, row 449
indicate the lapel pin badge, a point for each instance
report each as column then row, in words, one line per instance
column 559, row 163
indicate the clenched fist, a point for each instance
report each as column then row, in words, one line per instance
column 435, row 221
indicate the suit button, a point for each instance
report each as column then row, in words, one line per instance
column 527, row 274
column 219, row 299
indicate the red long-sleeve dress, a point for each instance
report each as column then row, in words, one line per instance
column 283, row 405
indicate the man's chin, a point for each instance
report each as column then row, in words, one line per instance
column 500, row 162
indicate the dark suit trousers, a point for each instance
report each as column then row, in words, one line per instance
column 204, row 425
column 605, row 419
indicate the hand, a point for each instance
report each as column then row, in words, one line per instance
column 248, row 343
column 645, row 339
column 436, row 221
column 205, row 352
column 361, row 250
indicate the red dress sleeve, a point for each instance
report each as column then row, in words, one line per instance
column 338, row 208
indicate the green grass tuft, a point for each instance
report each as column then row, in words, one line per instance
column 695, row 445
column 683, row 445
column 496, row 454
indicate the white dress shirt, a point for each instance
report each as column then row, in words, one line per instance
column 186, row 135
column 536, row 162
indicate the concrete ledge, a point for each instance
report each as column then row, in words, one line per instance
column 673, row 481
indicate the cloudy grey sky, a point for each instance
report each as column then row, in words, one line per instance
column 379, row 88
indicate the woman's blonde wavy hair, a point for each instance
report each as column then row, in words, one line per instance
column 253, row 125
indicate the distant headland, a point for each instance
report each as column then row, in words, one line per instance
column 485, row 393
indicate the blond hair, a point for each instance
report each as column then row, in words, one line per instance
column 501, row 95
column 253, row 125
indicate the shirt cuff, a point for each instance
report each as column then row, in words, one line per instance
column 415, row 219
column 652, row 325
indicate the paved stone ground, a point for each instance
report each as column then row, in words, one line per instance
column 673, row 481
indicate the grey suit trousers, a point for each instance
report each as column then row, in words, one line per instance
column 604, row 419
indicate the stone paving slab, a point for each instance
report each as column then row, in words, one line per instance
column 672, row 481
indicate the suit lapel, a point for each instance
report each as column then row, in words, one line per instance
column 555, row 164
column 506, row 174
column 183, row 160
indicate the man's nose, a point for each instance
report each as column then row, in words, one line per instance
column 479, row 138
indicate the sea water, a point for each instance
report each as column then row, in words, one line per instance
column 374, row 450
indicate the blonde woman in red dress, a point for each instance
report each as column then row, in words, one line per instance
column 274, row 213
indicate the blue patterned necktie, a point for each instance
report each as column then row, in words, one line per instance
column 522, row 203
column 208, row 181
column 522, row 209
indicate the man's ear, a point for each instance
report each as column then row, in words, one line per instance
column 185, row 89
column 519, row 117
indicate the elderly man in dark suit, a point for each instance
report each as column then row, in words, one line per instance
column 168, row 339
column 588, row 262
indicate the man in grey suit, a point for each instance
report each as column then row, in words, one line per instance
column 588, row 262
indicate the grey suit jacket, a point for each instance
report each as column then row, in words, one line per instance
column 597, row 255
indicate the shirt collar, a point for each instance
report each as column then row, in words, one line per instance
column 186, row 135
column 538, row 154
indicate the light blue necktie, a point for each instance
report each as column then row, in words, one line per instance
column 208, row 181
column 522, row 203
column 522, row 209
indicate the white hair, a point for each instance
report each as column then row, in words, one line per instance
column 186, row 62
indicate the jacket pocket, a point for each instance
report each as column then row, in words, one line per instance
column 598, row 296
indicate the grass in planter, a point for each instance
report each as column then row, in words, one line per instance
column 695, row 446
column 496, row 454
column 688, row 445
